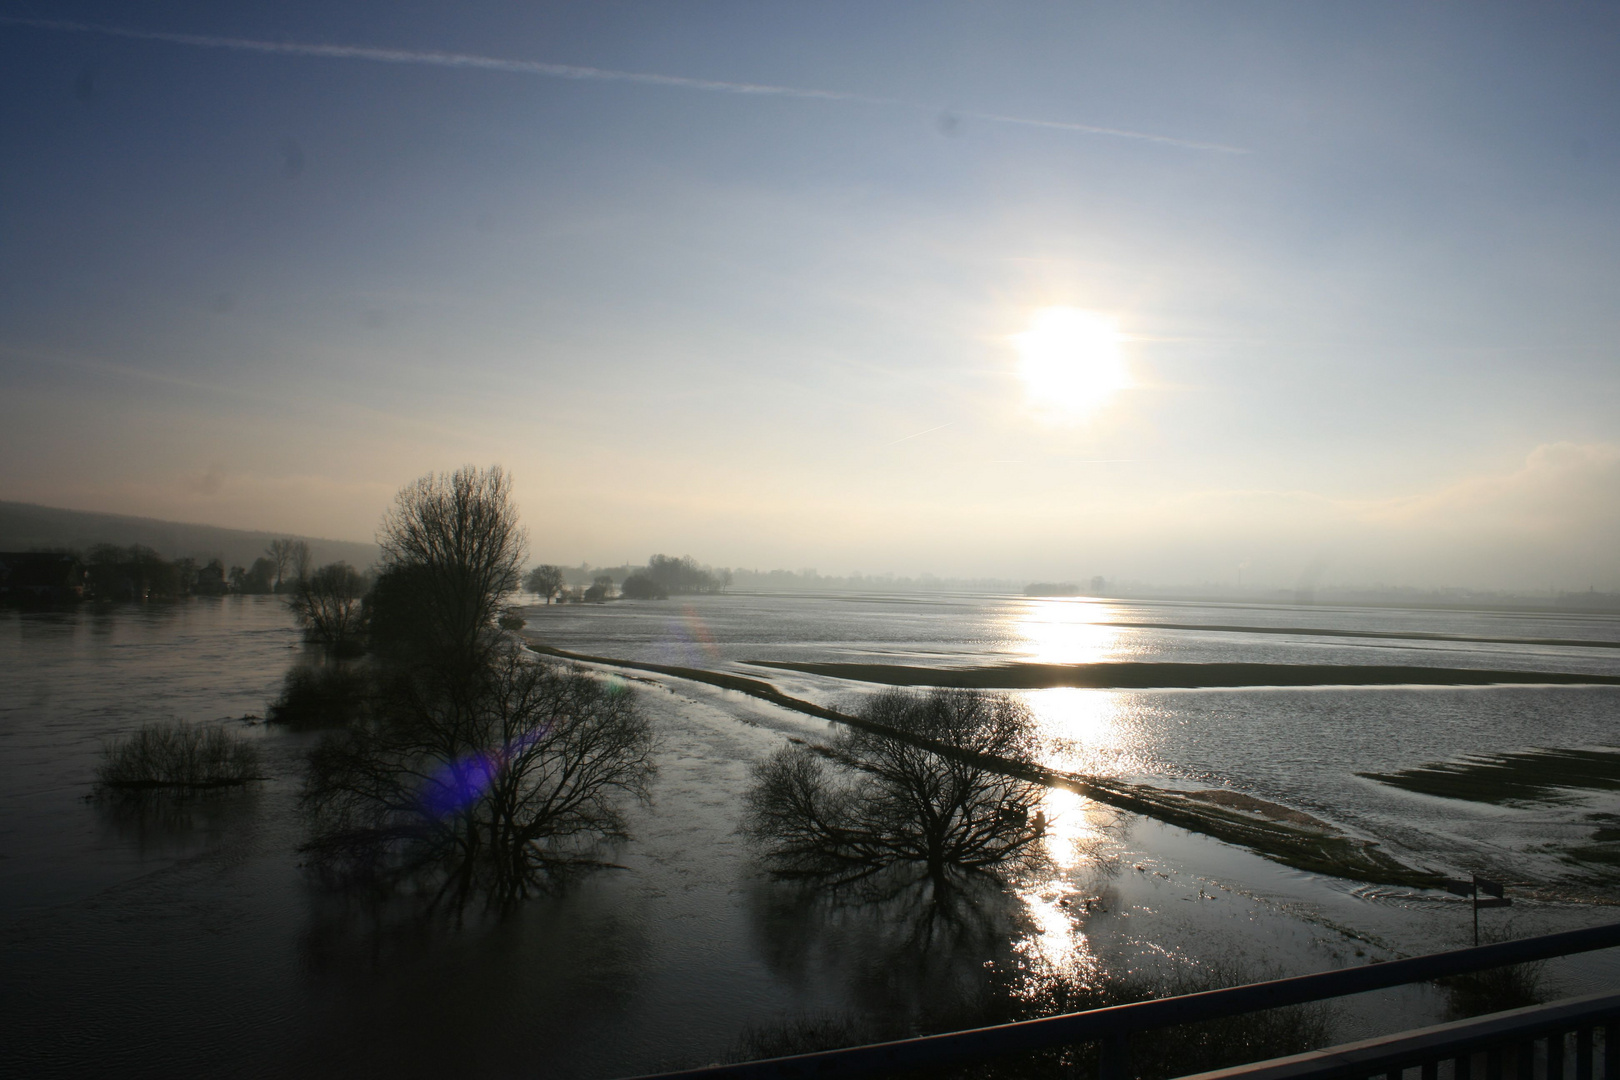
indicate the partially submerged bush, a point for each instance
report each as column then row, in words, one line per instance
column 1512, row 986
column 181, row 756
column 328, row 606
column 1494, row 990
column 321, row 697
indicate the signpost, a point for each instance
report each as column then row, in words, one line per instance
column 1472, row 889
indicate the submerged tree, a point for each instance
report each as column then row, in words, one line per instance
column 502, row 793
column 642, row 586
column 472, row 768
column 256, row 579
column 328, row 606
column 452, row 548
column 915, row 791
column 682, row 575
column 546, row 580
column 279, row 552
column 302, row 559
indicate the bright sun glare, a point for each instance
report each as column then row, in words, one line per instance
column 1071, row 361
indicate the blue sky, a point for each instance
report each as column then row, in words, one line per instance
column 1362, row 260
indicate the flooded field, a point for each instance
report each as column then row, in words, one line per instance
column 156, row 939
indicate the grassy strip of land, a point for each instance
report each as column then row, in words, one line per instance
column 1393, row 635
column 1127, row 675
column 1283, row 835
column 1522, row 776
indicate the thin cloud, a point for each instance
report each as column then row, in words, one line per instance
column 566, row 71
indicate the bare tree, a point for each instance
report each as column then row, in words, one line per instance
column 327, row 604
column 917, row 790
column 300, row 560
column 280, row 555
column 545, row 580
column 502, row 798
column 457, row 540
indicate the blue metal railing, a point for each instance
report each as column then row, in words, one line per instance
column 1112, row 1027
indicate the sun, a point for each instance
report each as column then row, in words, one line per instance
column 1071, row 361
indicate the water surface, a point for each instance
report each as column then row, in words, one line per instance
column 188, row 939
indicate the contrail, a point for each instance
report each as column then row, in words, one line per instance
column 918, row 434
column 1118, row 133
column 441, row 59
column 569, row 71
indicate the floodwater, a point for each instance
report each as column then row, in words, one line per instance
column 1302, row 747
column 188, row 939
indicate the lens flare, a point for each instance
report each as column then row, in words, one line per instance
column 456, row 786
column 688, row 640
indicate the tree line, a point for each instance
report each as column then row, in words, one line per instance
column 138, row 572
column 663, row 576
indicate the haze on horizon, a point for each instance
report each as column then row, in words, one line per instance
column 1169, row 292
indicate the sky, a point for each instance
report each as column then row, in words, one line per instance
column 1178, row 293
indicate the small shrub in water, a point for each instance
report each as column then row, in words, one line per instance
column 1494, row 990
column 176, row 755
column 320, row 697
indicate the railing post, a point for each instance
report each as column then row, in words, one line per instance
column 1555, row 1056
column 1583, row 1052
column 1116, row 1056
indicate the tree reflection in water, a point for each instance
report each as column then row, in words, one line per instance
column 908, row 844
column 495, row 785
column 906, row 964
column 897, row 958
column 902, row 844
column 165, row 823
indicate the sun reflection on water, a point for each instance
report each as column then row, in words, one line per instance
column 1083, row 730
column 1064, row 632
column 1077, row 832
column 1067, row 829
column 1056, row 941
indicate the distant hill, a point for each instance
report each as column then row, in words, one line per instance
column 26, row 527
